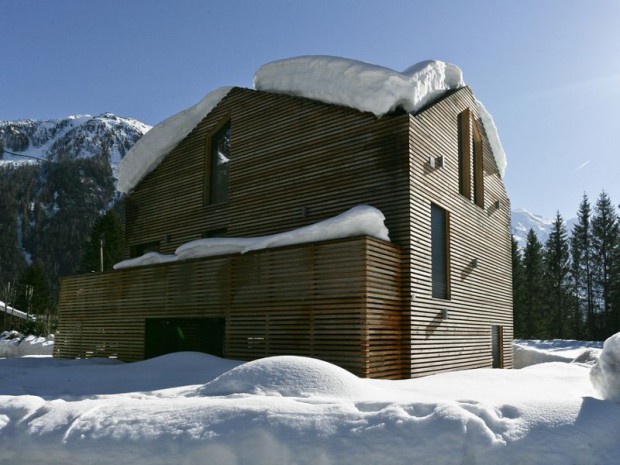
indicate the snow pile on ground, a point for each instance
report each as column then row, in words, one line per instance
column 152, row 147
column 605, row 375
column 191, row 408
column 531, row 352
column 14, row 344
column 359, row 220
column 288, row 377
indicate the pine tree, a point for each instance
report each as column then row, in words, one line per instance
column 534, row 318
column 605, row 248
column 582, row 268
column 35, row 299
column 556, row 280
column 518, row 288
column 107, row 234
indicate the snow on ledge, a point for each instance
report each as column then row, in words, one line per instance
column 153, row 146
column 359, row 220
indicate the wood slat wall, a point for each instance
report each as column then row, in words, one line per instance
column 294, row 162
column 323, row 300
column 480, row 297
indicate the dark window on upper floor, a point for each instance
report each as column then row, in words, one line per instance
column 218, row 147
column 222, row 232
column 140, row 249
column 440, row 252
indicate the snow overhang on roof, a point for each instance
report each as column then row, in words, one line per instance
column 335, row 80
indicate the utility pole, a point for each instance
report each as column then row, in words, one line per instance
column 101, row 255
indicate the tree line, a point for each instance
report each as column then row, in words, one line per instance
column 55, row 217
column 569, row 287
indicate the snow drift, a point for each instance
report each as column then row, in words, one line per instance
column 190, row 408
column 286, row 376
column 605, row 375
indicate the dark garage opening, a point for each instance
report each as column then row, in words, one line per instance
column 167, row 335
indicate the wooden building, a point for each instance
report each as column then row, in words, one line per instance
column 437, row 297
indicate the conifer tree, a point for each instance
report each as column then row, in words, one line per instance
column 605, row 248
column 582, row 268
column 107, row 237
column 557, row 280
column 518, row 291
column 534, row 318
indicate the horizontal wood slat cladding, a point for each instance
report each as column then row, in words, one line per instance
column 293, row 162
column 335, row 300
column 480, row 296
column 364, row 304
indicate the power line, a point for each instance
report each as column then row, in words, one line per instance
column 25, row 156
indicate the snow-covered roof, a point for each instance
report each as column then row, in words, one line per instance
column 152, row 147
column 335, row 80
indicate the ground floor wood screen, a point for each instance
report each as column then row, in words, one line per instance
column 338, row 300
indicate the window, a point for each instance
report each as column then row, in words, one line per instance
column 217, row 165
column 440, row 253
column 470, row 150
column 464, row 153
column 222, row 232
column 140, row 249
column 497, row 346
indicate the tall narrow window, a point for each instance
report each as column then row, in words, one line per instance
column 217, row 165
column 464, row 126
column 440, row 253
column 470, row 158
column 478, row 167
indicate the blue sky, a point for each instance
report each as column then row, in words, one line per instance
column 548, row 71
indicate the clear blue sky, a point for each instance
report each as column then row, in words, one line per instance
column 548, row 71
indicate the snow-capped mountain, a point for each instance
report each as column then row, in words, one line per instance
column 81, row 136
column 522, row 221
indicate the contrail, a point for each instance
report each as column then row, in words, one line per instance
column 582, row 165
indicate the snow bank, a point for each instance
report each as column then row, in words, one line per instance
column 101, row 412
column 286, row 376
column 605, row 375
column 359, row 220
column 14, row 344
column 371, row 88
column 532, row 352
column 151, row 148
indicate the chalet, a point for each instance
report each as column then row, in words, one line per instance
column 299, row 150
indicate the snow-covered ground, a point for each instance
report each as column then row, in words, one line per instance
column 191, row 408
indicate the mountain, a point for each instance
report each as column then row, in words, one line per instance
column 73, row 137
column 522, row 221
column 57, row 177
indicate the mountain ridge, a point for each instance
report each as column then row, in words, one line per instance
column 76, row 136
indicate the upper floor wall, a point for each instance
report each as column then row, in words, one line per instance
column 292, row 162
